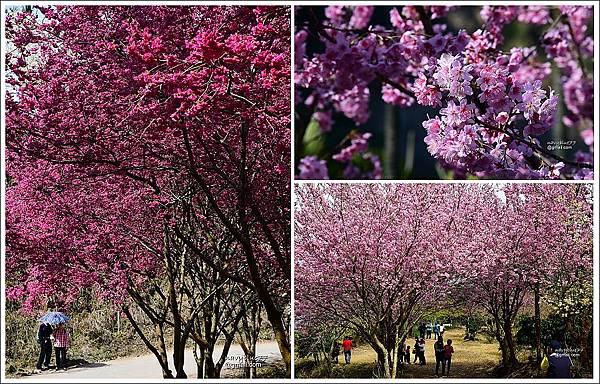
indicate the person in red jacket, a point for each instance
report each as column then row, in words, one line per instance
column 448, row 351
column 347, row 345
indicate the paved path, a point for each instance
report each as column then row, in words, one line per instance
column 147, row 367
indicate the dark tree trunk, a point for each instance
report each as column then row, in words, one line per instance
column 510, row 344
column 162, row 349
column 224, row 353
column 390, row 129
column 584, row 356
column 210, row 363
column 538, row 326
column 383, row 362
column 250, row 327
column 199, row 361
column 502, row 342
column 178, row 339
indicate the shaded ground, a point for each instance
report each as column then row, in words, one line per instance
column 146, row 366
column 472, row 359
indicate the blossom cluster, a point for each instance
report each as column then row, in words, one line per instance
column 98, row 126
column 496, row 107
column 477, row 131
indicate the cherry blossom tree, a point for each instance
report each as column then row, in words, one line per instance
column 495, row 106
column 139, row 138
column 373, row 256
column 531, row 252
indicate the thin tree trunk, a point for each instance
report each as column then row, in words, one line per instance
column 538, row 326
column 395, row 354
column 199, row 361
column 247, row 354
column 164, row 364
column 253, row 354
column 256, row 322
column 178, row 340
column 228, row 340
column 162, row 348
column 248, row 336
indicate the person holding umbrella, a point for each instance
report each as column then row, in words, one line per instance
column 43, row 339
column 60, row 336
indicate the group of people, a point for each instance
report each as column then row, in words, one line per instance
column 47, row 337
column 443, row 356
column 427, row 330
column 556, row 363
column 443, row 353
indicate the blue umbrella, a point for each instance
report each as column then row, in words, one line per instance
column 54, row 318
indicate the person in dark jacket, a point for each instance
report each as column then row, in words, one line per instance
column 43, row 339
column 422, row 330
column 438, row 347
column 402, row 350
column 559, row 363
column 416, row 350
column 335, row 352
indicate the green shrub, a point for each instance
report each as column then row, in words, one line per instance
column 97, row 334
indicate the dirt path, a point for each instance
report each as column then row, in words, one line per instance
column 472, row 359
column 146, row 366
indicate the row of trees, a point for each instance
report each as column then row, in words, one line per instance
column 147, row 160
column 377, row 258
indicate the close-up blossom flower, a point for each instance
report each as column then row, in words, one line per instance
column 503, row 97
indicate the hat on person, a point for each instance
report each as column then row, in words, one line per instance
column 555, row 345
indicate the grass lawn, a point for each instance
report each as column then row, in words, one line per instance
column 474, row 359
